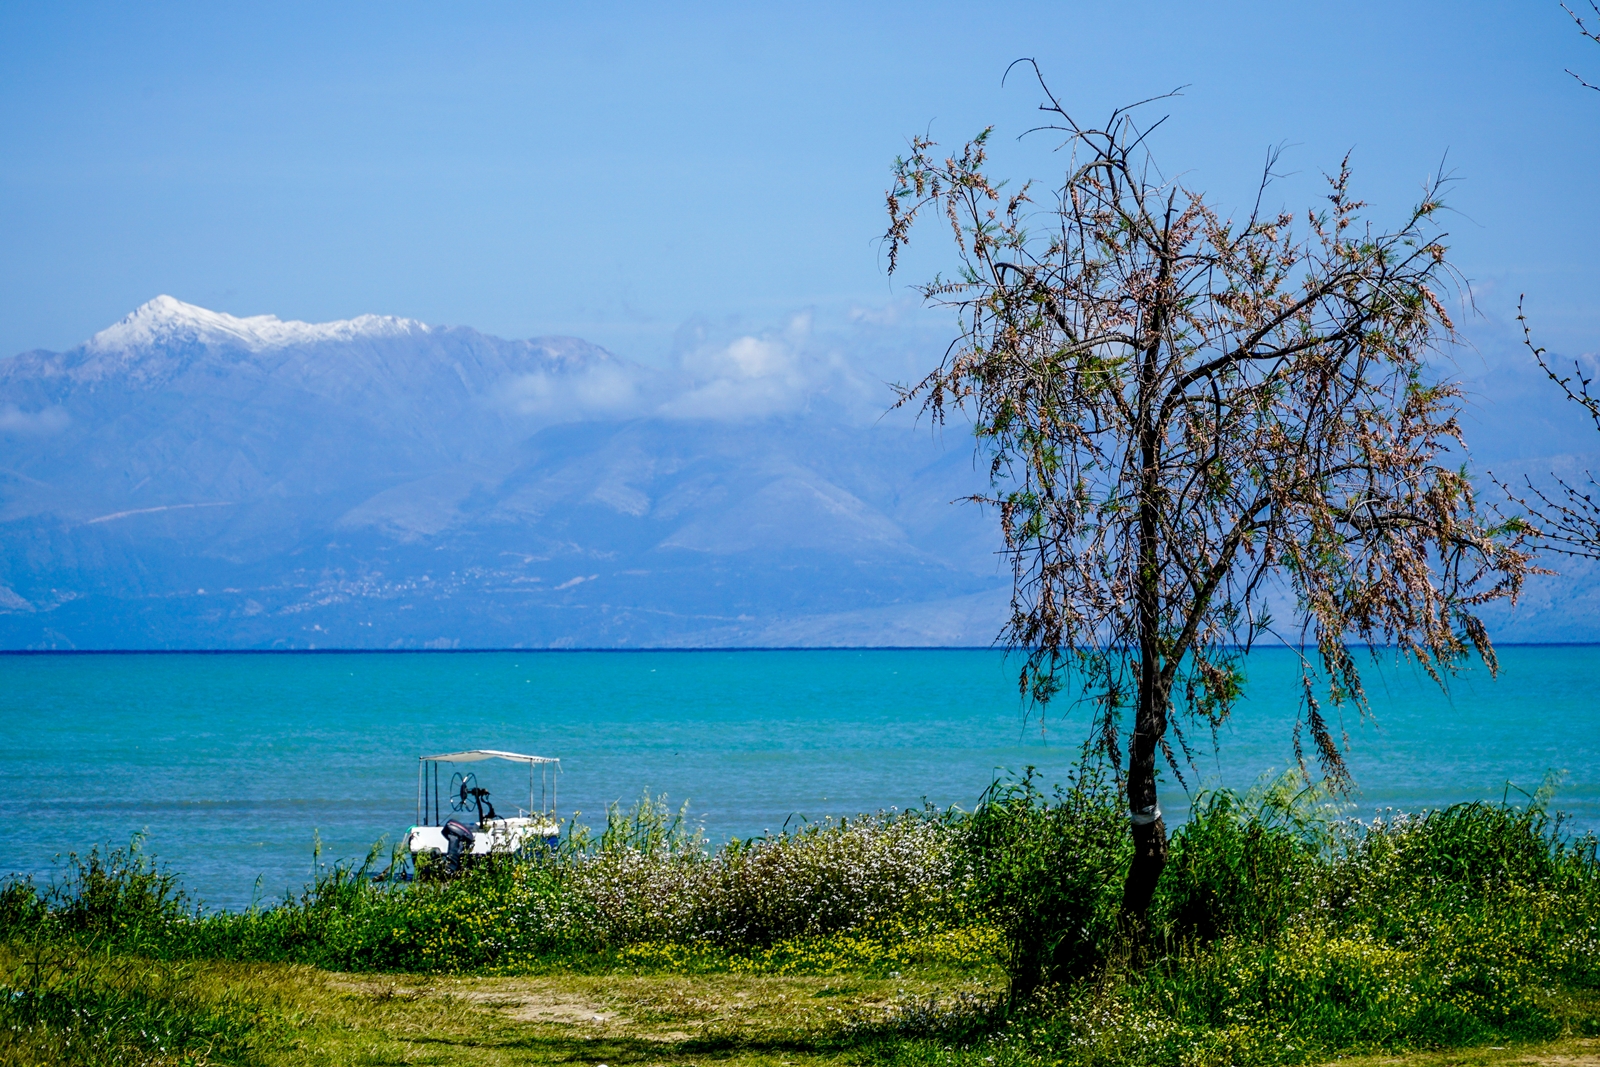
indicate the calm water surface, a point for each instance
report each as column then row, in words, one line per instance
column 232, row 762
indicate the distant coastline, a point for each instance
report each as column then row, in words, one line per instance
column 630, row 650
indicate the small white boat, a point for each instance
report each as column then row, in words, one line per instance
column 474, row 827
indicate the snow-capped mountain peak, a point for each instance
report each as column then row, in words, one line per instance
column 166, row 319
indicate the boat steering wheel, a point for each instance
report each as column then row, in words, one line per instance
column 467, row 795
column 461, row 787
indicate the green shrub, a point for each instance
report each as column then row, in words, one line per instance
column 60, row 1006
column 645, row 878
column 122, row 892
column 1048, row 874
column 1244, row 865
column 1484, row 874
column 22, row 906
column 839, row 875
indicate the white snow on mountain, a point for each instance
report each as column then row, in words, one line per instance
column 167, row 320
column 377, row 482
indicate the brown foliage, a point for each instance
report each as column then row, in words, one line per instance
column 1183, row 413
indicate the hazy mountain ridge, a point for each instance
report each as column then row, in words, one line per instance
column 189, row 479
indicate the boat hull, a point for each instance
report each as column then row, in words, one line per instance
column 495, row 835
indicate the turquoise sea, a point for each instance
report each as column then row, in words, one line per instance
column 231, row 763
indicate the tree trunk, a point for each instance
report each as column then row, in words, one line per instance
column 1149, row 859
column 1150, row 716
column 1149, row 828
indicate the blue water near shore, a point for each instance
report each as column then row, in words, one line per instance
column 232, row 762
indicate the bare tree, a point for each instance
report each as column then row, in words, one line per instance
column 1182, row 415
column 1583, row 28
column 1566, row 517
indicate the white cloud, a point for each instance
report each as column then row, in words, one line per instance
column 751, row 357
column 604, row 390
column 754, row 376
column 725, row 376
column 49, row 420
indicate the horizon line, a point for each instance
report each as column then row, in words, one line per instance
column 642, row 648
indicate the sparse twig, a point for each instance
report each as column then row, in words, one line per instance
column 1583, row 28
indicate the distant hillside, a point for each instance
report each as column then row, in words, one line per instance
column 187, row 479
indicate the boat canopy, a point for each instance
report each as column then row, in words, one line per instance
column 544, row 768
column 473, row 755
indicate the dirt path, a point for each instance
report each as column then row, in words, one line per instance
column 1573, row 1052
column 699, row 1020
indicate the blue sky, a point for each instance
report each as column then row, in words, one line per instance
column 615, row 171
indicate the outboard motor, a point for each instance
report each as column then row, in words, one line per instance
column 460, row 839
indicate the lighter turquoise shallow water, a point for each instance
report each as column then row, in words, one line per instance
column 231, row 762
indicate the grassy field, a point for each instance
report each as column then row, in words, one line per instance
column 1282, row 934
column 289, row 1014
column 134, row 1010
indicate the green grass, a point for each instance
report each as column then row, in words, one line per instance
column 1280, row 934
column 99, row 1009
column 288, row 1014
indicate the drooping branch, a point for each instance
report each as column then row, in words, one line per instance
column 1182, row 415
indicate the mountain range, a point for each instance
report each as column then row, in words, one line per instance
column 190, row 479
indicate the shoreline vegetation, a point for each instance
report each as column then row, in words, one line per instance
column 1281, row 933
